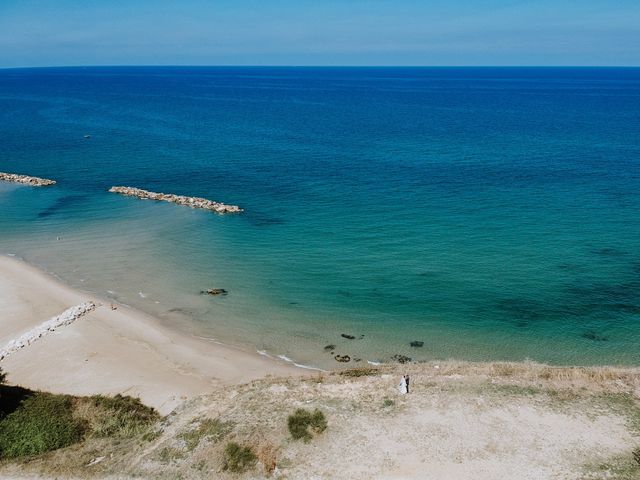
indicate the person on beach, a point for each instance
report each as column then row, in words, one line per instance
column 403, row 386
column 406, row 379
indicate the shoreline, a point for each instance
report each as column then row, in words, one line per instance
column 162, row 365
column 114, row 351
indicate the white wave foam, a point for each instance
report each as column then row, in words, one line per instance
column 307, row 367
column 287, row 359
column 373, row 363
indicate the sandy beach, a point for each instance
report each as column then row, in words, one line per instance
column 112, row 351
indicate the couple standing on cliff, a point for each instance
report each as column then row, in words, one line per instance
column 404, row 385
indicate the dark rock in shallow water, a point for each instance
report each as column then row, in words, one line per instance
column 342, row 358
column 417, row 343
column 350, row 337
column 214, row 291
column 591, row 335
column 329, row 347
column 401, row 358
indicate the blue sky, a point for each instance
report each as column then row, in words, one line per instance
column 322, row 32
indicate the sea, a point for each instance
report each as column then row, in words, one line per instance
column 484, row 213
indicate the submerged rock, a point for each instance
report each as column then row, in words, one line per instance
column 193, row 202
column 347, row 336
column 214, row 291
column 328, row 348
column 342, row 358
column 597, row 337
column 401, row 358
column 417, row 343
column 26, row 180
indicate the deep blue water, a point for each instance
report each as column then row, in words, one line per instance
column 493, row 213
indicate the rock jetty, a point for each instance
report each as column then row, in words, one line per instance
column 193, row 202
column 65, row 318
column 26, row 180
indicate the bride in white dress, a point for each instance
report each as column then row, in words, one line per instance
column 403, row 385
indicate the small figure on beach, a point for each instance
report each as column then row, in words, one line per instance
column 406, row 378
column 403, row 385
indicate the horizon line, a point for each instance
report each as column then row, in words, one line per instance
column 144, row 65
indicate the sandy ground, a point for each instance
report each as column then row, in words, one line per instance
column 112, row 351
column 460, row 422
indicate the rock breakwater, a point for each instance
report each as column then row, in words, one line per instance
column 193, row 202
column 65, row 318
column 26, row 180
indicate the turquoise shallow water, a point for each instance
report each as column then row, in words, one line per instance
column 491, row 213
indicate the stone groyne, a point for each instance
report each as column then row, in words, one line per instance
column 65, row 318
column 193, row 202
column 26, row 180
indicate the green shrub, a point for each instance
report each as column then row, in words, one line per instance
column 118, row 416
column 636, row 455
column 238, row 458
column 41, row 423
column 301, row 420
column 388, row 403
column 318, row 422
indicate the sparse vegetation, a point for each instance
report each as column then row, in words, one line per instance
column 625, row 405
column 302, row 420
column 209, row 428
column 238, row 458
column 359, row 372
column 194, row 441
column 516, row 390
column 42, row 422
column 168, row 454
column 618, row 468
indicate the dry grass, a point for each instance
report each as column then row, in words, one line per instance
column 359, row 372
column 268, row 456
column 595, row 379
column 118, row 416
